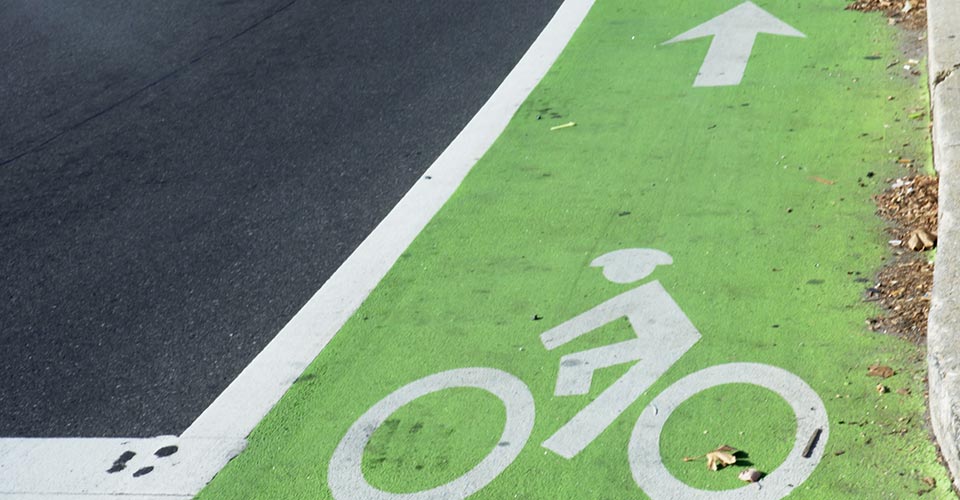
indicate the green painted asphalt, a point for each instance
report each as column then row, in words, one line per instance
column 759, row 192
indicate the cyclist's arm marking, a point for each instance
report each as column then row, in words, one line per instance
column 617, row 307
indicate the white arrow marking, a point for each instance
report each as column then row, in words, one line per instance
column 733, row 34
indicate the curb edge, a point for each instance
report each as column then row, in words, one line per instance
column 943, row 327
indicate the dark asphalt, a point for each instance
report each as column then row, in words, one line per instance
column 177, row 178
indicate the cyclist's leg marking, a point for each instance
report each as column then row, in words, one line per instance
column 345, row 476
column 664, row 334
column 591, row 421
column 657, row 482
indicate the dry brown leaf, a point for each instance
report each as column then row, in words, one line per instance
column 717, row 460
column 921, row 240
column 881, row 371
column 914, row 242
column 882, row 389
column 928, row 240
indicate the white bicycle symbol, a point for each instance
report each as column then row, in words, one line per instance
column 664, row 334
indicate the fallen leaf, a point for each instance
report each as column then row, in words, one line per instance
column 717, row 460
column 881, row 371
column 928, row 240
column 882, row 389
column 929, row 481
column 914, row 243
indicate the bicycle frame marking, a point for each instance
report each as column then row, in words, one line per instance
column 664, row 335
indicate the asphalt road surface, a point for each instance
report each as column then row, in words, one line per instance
column 177, row 178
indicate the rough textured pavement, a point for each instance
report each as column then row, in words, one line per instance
column 176, row 180
column 943, row 336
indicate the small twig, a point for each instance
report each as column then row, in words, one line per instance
column 821, row 180
column 812, row 443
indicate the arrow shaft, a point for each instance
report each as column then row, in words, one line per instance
column 726, row 60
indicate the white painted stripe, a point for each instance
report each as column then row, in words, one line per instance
column 54, row 467
column 74, row 496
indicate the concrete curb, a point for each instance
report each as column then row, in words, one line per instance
column 943, row 332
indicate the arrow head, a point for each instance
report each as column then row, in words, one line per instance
column 742, row 19
column 733, row 34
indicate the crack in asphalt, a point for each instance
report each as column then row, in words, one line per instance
column 157, row 81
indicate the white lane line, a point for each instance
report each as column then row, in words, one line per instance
column 55, row 467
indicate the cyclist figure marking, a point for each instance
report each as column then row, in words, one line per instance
column 663, row 332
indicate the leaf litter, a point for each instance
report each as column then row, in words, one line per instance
column 902, row 288
column 912, row 14
column 911, row 204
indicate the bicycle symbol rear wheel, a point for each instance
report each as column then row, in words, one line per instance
column 812, row 430
column 345, row 476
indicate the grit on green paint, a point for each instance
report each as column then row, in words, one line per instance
column 760, row 192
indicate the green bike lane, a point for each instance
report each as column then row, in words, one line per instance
column 751, row 202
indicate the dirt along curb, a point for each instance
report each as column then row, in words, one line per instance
column 943, row 333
